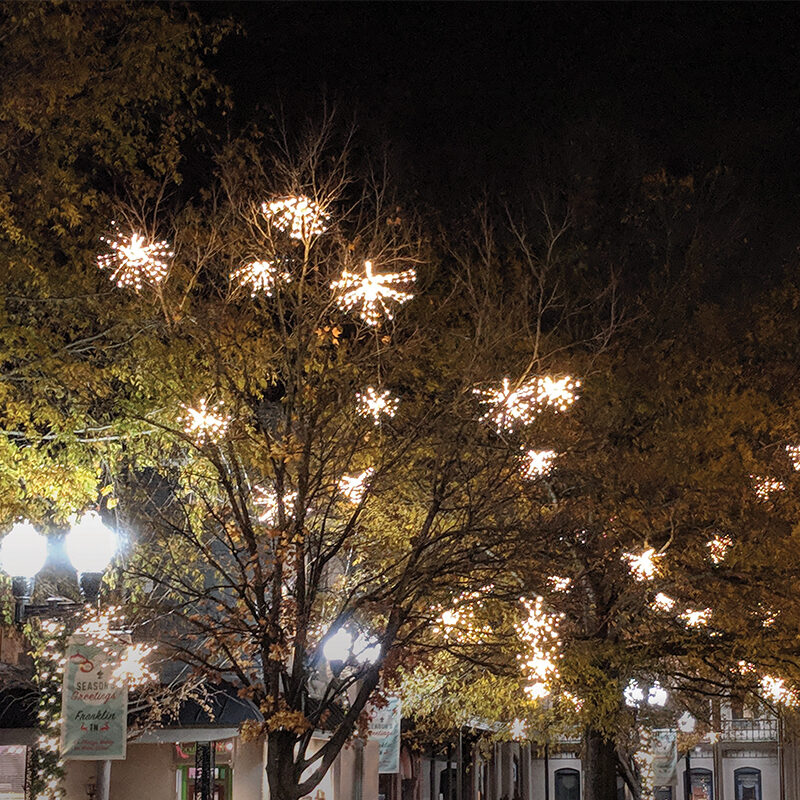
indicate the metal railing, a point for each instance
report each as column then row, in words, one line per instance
column 749, row 730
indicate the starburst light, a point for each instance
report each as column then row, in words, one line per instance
column 718, row 547
column 135, row 260
column 132, row 670
column 696, row 619
column 511, row 406
column 794, row 454
column 663, row 602
column 765, row 487
column 268, row 499
column 539, row 633
column 519, row 730
column 558, row 584
column 376, row 404
column 370, row 294
column 538, row 463
column 298, row 216
column 205, row 423
column 776, row 690
column 353, row 487
column 642, row 565
column 458, row 623
column 260, row 277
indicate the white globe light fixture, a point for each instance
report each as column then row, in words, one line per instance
column 23, row 552
column 90, row 547
column 338, row 649
column 366, row 650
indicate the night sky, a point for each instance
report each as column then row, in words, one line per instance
column 472, row 95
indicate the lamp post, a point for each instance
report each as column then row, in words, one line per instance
column 90, row 546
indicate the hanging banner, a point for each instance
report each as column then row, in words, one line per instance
column 384, row 726
column 664, row 747
column 94, row 711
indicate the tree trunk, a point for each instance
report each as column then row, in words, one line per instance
column 599, row 767
column 283, row 783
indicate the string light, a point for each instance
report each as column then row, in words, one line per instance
column 376, row 404
column 268, row 498
column 519, row 730
column 538, row 463
column 558, row 584
column 371, row 294
column 696, row 619
column 133, row 669
column 776, row 690
column 134, row 260
column 509, row 407
column 299, row 216
column 458, row 623
column 663, row 602
column 718, row 547
column 353, row 487
column 260, row 277
column 766, row 487
column 642, row 565
column 206, row 423
column 794, row 454
column 539, row 633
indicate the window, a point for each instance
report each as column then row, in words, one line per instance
column 568, row 784
column 747, row 783
column 700, row 784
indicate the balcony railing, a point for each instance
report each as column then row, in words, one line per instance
column 750, row 730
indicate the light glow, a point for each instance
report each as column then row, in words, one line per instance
column 538, row 463
column 539, row 662
column 718, row 547
column 299, row 217
column 642, row 565
column 260, row 277
column 90, row 544
column 663, row 602
column 135, row 260
column 794, row 454
column 370, row 295
column 353, row 487
column 206, row 423
column 132, row 670
column 558, row 584
column 696, row 619
column 512, row 406
column 376, row 404
column 23, row 551
column 776, row 690
column 268, row 498
column 765, row 487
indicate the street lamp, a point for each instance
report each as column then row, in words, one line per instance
column 90, row 547
column 340, row 649
column 23, row 552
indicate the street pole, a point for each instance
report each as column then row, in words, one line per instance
column 103, row 780
column 546, row 771
column 687, row 777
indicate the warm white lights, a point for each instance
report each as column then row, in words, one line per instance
column 558, row 584
column 539, row 662
column 268, row 500
column 696, row 619
column 353, row 487
column 538, row 463
column 23, row 551
column 376, row 404
column 657, row 696
column 642, row 565
column 511, row 406
column 135, row 260
column 260, row 277
column 718, row 547
column 132, row 670
column 794, row 454
column 370, row 294
column 663, row 602
column 299, row 217
column 776, row 690
column 765, row 487
column 90, row 544
column 205, row 423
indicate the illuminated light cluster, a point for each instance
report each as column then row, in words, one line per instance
column 519, row 730
column 776, row 690
column 571, row 700
column 376, row 404
column 539, row 633
column 718, row 547
column 634, row 695
column 558, row 584
column 642, row 565
column 458, row 622
column 794, row 454
column 268, row 498
column 353, row 487
column 538, row 463
column 132, row 670
column 260, row 277
column 509, row 407
column 696, row 619
column 371, row 295
column 663, row 602
column 206, row 423
column 766, row 487
column 135, row 261
column 299, row 217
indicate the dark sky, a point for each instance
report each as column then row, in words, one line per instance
column 473, row 92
